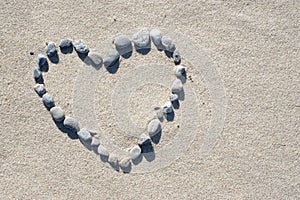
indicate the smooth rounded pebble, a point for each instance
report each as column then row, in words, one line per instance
column 177, row 86
column 85, row 136
column 173, row 97
column 95, row 141
column 141, row 39
column 57, row 114
column 42, row 63
column 81, row 47
column 154, row 127
column 125, row 163
column 40, row 89
column 159, row 112
column 48, row 100
column 176, row 57
column 112, row 57
column 135, row 152
column 71, row 123
column 144, row 140
column 167, row 108
column 113, row 160
column 95, row 58
column 180, row 71
column 156, row 36
column 65, row 43
column 168, row 44
column 103, row 151
column 37, row 75
column 51, row 49
column 123, row 44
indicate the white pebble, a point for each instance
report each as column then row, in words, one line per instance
column 180, row 71
column 95, row 141
column 156, row 36
column 177, row 86
column 168, row 44
column 113, row 160
column 48, row 100
column 81, row 47
column 144, row 140
column 167, row 108
column 173, row 97
column 40, row 89
column 125, row 163
column 141, row 39
column 111, row 58
column 71, row 123
column 65, row 44
column 95, row 58
column 85, row 136
column 103, row 151
column 154, row 127
column 57, row 114
column 135, row 152
column 123, row 44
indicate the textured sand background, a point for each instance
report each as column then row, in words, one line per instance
column 255, row 47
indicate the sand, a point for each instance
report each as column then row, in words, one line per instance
column 253, row 48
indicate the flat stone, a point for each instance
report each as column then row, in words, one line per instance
column 85, row 136
column 103, row 151
column 71, row 123
column 141, row 39
column 95, row 141
column 42, row 63
column 176, row 57
column 48, row 100
column 112, row 57
column 123, row 44
column 167, row 108
column 180, row 71
column 81, row 47
column 135, row 152
column 40, row 89
column 125, row 163
column 65, row 43
column 51, row 49
column 57, row 114
column 96, row 58
column 168, row 44
column 156, row 37
column 144, row 140
column 37, row 75
column 177, row 86
column 154, row 127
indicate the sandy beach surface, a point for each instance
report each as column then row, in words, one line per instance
column 236, row 135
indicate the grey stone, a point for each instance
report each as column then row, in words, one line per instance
column 154, row 127
column 167, row 108
column 42, row 63
column 40, row 89
column 176, row 57
column 71, row 123
column 141, row 39
column 180, row 71
column 123, row 44
column 57, row 114
column 159, row 112
column 113, row 161
column 168, row 44
column 125, row 164
column 103, row 151
column 173, row 97
column 135, row 152
column 48, row 100
column 81, row 47
column 144, row 140
column 95, row 141
column 65, row 44
column 112, row 57
column 37, row 75
column 51, row 49
column 156, row 37
column 96, row 59
column 85, row 136
column 177, row 86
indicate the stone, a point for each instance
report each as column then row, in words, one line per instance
column 112, row 58
column 85, row 136
column 40, row 89
column 144, row 140
column 37, row 75
column 65, row 43
column 180, row 71
column 123, row 44
column 177, row 86
column 167, row 108
column 168, row 44
column 176, row 57
column 95, row 58
column 72, row 124
column 81, row 47
column 141, row 39
column 95, row 141
column 43, row 63
column 135, row 152
column 159, row 112
column 48, row 100
column 154, row 127
column 156, row 37
column 173, row 97
column 103, row 151
column 57, row 114
column 125, row 163
column 51, row 49
column 113, row 161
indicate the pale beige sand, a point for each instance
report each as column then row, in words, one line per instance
column 255, row 47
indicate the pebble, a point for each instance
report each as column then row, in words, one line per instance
column 96, row 58
column 176, row 57
column 177, row 86
column 112, row 57
column 37, row 74
column 168, row 44
column 125, row 163
column 159, row 112
column 51, row 49
column 103, row 151
column 154, row 127
column 48, row 100
column 141, row 39
column 144, row 140
column 95, row 141
column 123, row 44
column 57, row 114
column 113, row 160
column 40, row 89
column 173, row 97
column 156, row 36
column 167, row 108
column 81, row 47
column 65, row 44
column 135, row 152
column 42, row 63
column 180, row 71
column 71, row 123
column 85, row 136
